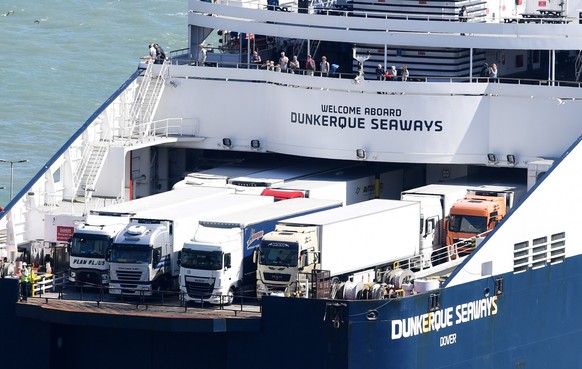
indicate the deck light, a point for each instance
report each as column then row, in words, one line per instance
column 255, row 144
column 361, row 154
column 226, row 142
column 12, row 162
column 511, row 159
column 492, row 158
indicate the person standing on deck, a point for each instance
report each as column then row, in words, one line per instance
column 283, row 61
column 463, row 14
column 404, row 73
column 152, row 53
column 380, row 72
column 24, row 282
column 310, row 65
column 324, row 66
column 201, row 55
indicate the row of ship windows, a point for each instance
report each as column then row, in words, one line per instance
column 539, row 252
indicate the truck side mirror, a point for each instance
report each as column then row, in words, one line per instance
column 227, row 262
column 303, row 256
column 107, row 255
column 157, row 257
column 179, row 261
column 255, row 256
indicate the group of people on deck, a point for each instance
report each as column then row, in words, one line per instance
column 489, row 71
column 157, row 54
column 392, row 73
column 293, row 65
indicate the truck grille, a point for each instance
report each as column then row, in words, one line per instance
column 277, row 277
column 199, row 290
column 128, row 275
column 88, row 277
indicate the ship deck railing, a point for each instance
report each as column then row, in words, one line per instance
column 372, row 77
column 329, row 8
column 158, row 300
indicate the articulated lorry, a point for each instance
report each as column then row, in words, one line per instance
column 370, row 238
column 93, row 237
column 349, row 185
column 435, row 201
column 217, row 264
column 477, row 213
column 144, row 255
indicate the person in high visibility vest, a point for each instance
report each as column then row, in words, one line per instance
column 24, row 282
column 31, row 278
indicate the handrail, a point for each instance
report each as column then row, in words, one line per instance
column 372, row 76
column 87, row 292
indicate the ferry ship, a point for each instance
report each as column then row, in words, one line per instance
column 512, row 302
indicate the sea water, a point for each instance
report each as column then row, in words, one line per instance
column 60, row 60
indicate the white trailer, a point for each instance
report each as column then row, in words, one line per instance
column 219, row 176
column 92, row 238
column 370, row 235
column 348, row 185
column 144, row 256
column 255, row 183
column 217, row 264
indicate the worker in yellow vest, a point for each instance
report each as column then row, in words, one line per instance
column 24, row 282
column 31, row 278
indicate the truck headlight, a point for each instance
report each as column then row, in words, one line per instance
column 261, row 287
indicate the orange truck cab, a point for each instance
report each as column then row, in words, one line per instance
column 472, row 216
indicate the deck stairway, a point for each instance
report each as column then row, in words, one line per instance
column 140, row 122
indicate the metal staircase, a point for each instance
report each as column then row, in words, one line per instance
column 146, row 102
column 140, row 123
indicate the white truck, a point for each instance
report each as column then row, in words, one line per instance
column 373, row 236
column 217, row 264
column 93, row 237
column 144, row 256
column 435, row 201
column 348, row 185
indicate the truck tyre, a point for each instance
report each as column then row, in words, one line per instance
column 229, row 296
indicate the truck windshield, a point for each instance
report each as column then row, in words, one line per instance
column 278, row 254
column 205, row 260
column 88, row 246
column 133, row 255
column 467, row 224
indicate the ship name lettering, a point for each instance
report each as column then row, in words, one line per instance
column 444, row 318
column 328, row 120
column 476, row 309
column 448, row 340
column 407, row 125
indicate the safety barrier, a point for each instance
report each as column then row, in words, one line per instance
column 44, row 283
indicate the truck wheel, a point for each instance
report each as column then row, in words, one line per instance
column 229, row 298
